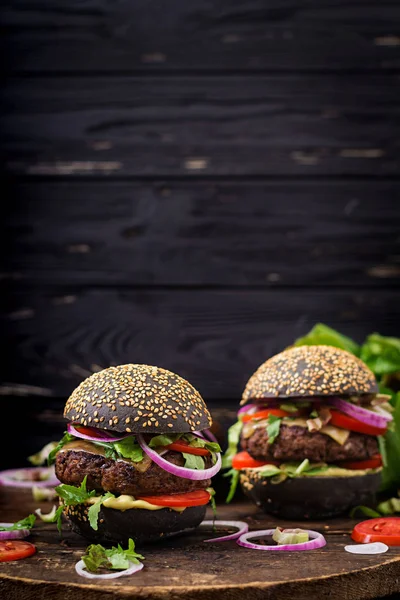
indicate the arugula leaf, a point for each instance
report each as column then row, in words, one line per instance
column 192, row 461
column 322, row 334
column 273, row 427
column 233, row 441
column 54, row 516
column 94, row 510
column 72, row 495
column 51, row 458
column 234, row 474
column 213, row 503
column 97, row 557
column 26, row 523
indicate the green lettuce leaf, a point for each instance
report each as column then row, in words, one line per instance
column 381, row 354
column 51, row 458
column 26, row 523
column 233, row 441
column 273, row 428
column 192, row 461
column 321, row 334
column 234, row 474
column 97, row 557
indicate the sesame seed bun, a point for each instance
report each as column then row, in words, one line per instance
column 305, row 371
column 303, row 498
column 143, row 526
column 138, row 398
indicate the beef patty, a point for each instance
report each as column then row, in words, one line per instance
column 121, row 476
column 297, row 443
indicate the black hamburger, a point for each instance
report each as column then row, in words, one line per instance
column 309, row 431
column 137, row 458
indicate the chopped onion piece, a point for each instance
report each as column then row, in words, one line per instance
column 364, row 415
column 29, row 477
column 192, row 474
column 81, row 570
column 99, row 435
column 317, row 541
column 372, row 548
column 241, row 526
column 13, row 534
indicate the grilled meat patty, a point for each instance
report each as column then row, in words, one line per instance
column 123, row 476
column 297, row 443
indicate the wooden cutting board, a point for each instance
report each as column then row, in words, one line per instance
column 187, row 567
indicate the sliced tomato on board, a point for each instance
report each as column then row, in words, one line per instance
column 183, row 446
column 243, row 460
column 339, row 419
column 15, row 549
column 380, row 529
column 195, row 498
column 264, row 414
column 369, row 463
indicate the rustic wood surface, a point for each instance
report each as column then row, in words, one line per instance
column 215, row 233
column 183, row 126
column 186, row 567
column 169, row 35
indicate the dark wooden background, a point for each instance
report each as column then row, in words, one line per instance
column 192, row 185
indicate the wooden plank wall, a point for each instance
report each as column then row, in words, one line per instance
column 191, row 184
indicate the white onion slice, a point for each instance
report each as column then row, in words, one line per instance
column 81, row 570
column 362, row 414
column 372, row 548
column 15, row 534
column 241, row 526
column 25, row 477
column 192, row 474
column 317, row 541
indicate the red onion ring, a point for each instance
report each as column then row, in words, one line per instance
column 361, row 414
column 317, row 541
column 81, row 570
column 103, row 435
column 249, row 408
column 24, row 478
column 241, row 525
column 192, row 474
column 14, row 534
column 206, row 433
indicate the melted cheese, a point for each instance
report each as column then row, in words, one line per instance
column 126, row 502
column 336, row 433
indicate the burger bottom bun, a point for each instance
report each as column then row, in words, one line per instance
column 304, row 498
column 116, row 526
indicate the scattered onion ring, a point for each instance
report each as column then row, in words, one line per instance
column 102, row 436
column 192, row 474
column 317, row 541
column 362, row 414
column 14, row 534
column 24, row 478
column 81, row 570
column 241, row 525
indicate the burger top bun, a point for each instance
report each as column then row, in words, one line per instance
column 138, row 398
column 305, row 371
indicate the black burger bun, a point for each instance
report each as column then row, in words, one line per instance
column 137, row 398
column 305, row 498
column 306, row 371
column 143, row 526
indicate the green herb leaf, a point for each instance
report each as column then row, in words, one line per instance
column 192, row 461
column 234, row 432
column 322, row 334
column 273, row 428
column 26, row 523
column 72, row 495
column 234, row 474
column 51, row 458
column 94, row 510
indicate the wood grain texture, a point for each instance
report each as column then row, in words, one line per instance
column 170, row 35
column 186, row 567
column 309, row 125
column 194, row 233
column 215, row 339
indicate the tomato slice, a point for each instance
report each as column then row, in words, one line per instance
column 346, row 422
column 264, row 414
column 15, row 549
column 380, row 529
column 196, row 498
column 183, row 446
column 369, row 463
column 243, row 460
